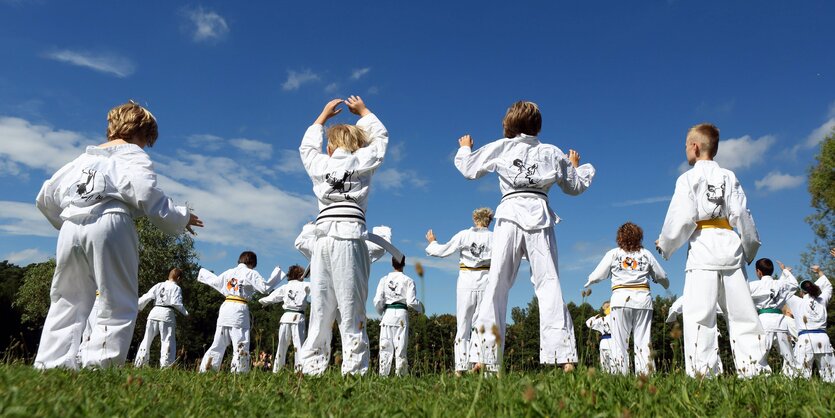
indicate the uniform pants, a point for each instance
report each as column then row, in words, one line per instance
column 784, row 346
column 703, row 289
column 98, row 253
column 638, row 323
column 168, row 344
column 287, row 333
column 394, row 340
column 466, row 348
column 556, row 331
column 808, row 350
column 607, row 361
column 239, row 338
column 339, row 270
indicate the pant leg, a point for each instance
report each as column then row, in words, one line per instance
column 298, row 330
column 144, row 352
column 351, row 267
column 240, row 349
column 826, row 366
column 168, row 344
column 386, row 349
column 214, row 355
column 784, row 345
column 701, row 352
column 464, row 316
column 474, row 348
column 111, row 245
column 744, row 328
column 642, row 322
column 72, row 295
column 316, row 350
column 508, row 247
column 556, row 329
column 284, row 337
column 401, row 345
column 622, row 319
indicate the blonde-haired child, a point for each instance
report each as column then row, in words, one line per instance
column 167, row 297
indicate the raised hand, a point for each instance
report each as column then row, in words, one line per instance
column 357, row 106
column 574, row 157
column 430, row 236
column 193, row 220
column 331, row 109
column 465, row 141
column 783, row 266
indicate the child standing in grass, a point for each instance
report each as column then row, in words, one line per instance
column 167, row 297
column 294, row 299
column 603, row 325
column 93, row 201
column 813, row 345
column 769, row 295
column 395, row 295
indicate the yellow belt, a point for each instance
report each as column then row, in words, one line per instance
column 482, row 268
column 236, row 299
column 719, row 223
column 644, row 286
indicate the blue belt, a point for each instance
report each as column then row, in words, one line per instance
column 605, row 336
column 811, row 331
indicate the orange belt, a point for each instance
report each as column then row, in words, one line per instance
column 482, row 268
column 718, row 223
column 236, row 299
column 644, row 286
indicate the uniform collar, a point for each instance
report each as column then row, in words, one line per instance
column 530, row 139
column 704, row 162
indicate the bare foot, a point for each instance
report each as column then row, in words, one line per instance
column 568, row 367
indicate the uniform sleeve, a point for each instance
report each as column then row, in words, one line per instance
column 788, row 286
column 603, row 269
column 276, row 277
column 177, row 301
column 473, row 165
column 313, row 160
column 826, row 288
column 595, row 323
column 147, row 297
column 376, row 252
column 411, row 296
column 207, row 277
column 49, row 197
column 675, row 310
column 572, row 181
column 277, row 296
column 371, row 156
column 306, row 240
column 257, row 282
column 138, row 188
column 435, row 249
column 380, row 297
column 657, row 272
column 741, row 219
column 680, row 221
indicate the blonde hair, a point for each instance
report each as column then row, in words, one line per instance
column 707, row 136
column 347, row 137
column 129, row 120
column 483, row 217
column 522, row 118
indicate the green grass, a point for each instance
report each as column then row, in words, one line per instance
column 152, row 392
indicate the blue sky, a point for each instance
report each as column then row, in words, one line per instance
column 234, row 85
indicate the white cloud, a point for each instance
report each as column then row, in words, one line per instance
column 296, row 79
column 260, row 150
column 776, row 180
column 395, row 179
column 373, row 90
column 26, row 257
column 38, row 146
column 396, row 152
column 331, row 88
column 205, row 141
column 644, row 201
column 819, row 134
column 289, row 161
column 103, row 63
column 358, row 73
column 207, row 25
column 740, row 153
column 19, row 218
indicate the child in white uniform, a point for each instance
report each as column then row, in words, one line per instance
column 603, row 325
column 340, row 265
column 294, row 299
column 813, row 345
column 524, row 227
column 93, row 201
column 769, row 297
column 238, row 285
column 630, row 266
column 167, row 297
column 473, row 246
column 395, row 295
column 707, row 204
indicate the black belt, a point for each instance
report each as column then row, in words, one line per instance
column 345, row 211
column 531, row 193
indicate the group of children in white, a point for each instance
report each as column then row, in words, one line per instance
column 94, row 199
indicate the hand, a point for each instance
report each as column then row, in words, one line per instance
column 657, row 248
column 330, row 110
column 465, row 141
column 574, row 157
column 430, row 236
column 193, row 220
column 784, row 267
column 817, row 269
column 357, row 106
column 832, row 252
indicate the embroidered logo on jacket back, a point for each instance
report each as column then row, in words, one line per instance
column 525, row 174
column 476, row 250
column 715, row 197
column 89, row 189
column 233, row 286
column 341, row 185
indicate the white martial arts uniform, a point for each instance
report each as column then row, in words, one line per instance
column 769, row 296
column 237, row 285
column 813, row 345
column 167, row 297
column 340, row 264
column 88, row 328
column 675, row 310
column 474, row 247
column 707, row 203
column 294, row 298
column 93, row 201
column 603, row 325
column 631, row 303
column 525, row 223
column 395, row 294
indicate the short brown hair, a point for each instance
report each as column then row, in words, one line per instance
column 249, row 258
column 296, row 272
column 175, row 274
column 398, row 264
column 707, row 136
column 130, row 119
column 348, row 137
column 522, row 118
column 483, row 217
column 630, row 237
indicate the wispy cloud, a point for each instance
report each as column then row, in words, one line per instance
column 205, row 141
column 644, row 201
column 18, row 218
column 258, row 149
column 776, row 180
column 358, row 73
column 289, row 161
column 331, row 88
column 396, row 179
column 101, row 62
column 206, row 25
column 295, row 79
column 38, row 146
column 740, row 153
column 26, row 257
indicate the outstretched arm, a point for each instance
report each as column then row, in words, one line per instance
column 603, row 269
column 436, row 249
column 147, row 297
column 476, row 164
column 572, row 177
column 207, row 277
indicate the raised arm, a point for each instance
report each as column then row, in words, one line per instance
column 144, row 194
column 371, row 156
column 313, row 160
column 476, row 164
column 572, row 177
column 147, row 297
column 375, row 251
column 680, row 221
column 603, row 269
column 207, row 277
column 740, row 218
column 436, row 249
column 277, row 296
column 276, row 277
